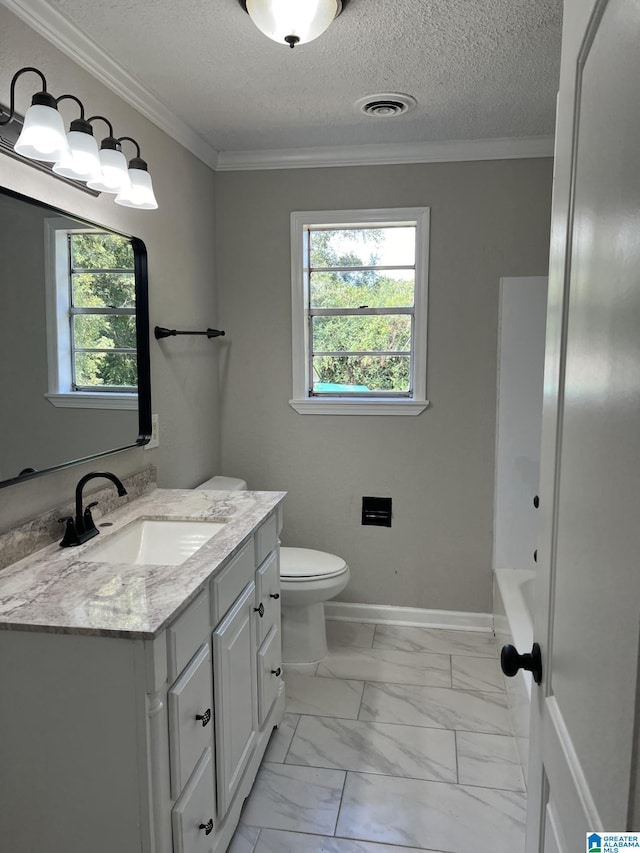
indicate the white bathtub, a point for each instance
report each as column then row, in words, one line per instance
column 513, row 597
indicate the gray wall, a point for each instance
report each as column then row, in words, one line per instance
column 488, row 219
column 178, row 237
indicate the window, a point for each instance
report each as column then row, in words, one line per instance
column 359, row 311
column 91, row 317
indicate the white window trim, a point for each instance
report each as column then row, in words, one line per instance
column 302, row 401
column 58, row 331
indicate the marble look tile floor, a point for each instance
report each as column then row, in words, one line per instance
column 399, row 741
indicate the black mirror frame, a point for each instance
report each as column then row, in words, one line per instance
column 142, row 343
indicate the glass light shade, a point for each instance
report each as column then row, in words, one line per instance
column 115, row 176
column 140, row 193
column 42, row 136
column 82, row 162
column 303, row 19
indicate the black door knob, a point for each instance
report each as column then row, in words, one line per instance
column 206, row 717
column 511, row 662
column 536, row 502
column 259, row 610
column 208, row 827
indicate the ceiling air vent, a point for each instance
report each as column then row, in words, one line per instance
column 387, row 105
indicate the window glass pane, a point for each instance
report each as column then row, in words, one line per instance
column 106, row 368
column 362, row 288
column 386, row 332
column 101, row 252
column 104, row 331
column 359, row 247
column 358, row 374
column 104, row 290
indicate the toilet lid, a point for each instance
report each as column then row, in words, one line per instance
column 307, row 563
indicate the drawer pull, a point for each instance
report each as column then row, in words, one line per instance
column 274, row 595
column 259, row 610
column 206, row 717
column 277, row 671
column 208, row 827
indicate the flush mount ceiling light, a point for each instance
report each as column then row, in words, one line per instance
column 75, row 155
column 293, row 21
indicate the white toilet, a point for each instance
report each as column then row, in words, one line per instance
column 308, row 578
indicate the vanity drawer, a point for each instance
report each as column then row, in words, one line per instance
column 270, row 681
column 189, row 698
column 266, row 537
column 193, row 816
column 186, row 634
column 229, row 583
column 267, row 596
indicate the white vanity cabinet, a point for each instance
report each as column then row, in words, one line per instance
column 116, row 743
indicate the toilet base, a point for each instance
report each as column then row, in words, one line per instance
column 304, row 635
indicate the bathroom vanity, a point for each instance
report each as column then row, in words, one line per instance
column 137, row 699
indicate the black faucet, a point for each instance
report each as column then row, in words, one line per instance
column 82, row 527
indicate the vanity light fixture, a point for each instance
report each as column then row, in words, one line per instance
column 81, row 162
column 43, row 136
column 75, row 155
column 115, row 175
column 293, row 21
column 139, row 193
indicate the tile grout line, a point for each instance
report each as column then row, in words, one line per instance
column 255, row 843
column 389, row 776
column 369, row 680
column 455, row 747
column 295, row 729
column 344, row 785
column 392, row 723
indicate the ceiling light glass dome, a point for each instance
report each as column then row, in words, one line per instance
column 293, row 21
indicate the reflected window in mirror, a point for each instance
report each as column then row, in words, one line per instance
column 108, row 304
column 91, row 317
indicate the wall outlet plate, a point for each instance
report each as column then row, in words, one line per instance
column 155, row 433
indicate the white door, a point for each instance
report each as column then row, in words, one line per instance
column 583, row 759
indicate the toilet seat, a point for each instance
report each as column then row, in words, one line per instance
column 299, row 565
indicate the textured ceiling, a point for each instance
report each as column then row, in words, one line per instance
column 477, row 68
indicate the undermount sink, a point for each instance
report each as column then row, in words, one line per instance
column 153, row 541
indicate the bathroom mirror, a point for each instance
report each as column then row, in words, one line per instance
column 74, row 340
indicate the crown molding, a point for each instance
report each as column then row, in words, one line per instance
column 63, row 34
column 384, row 155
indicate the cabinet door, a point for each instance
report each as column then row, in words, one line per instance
column 269, row 674
column 234, row 687
column 192, row 817
column 190, row 718
column 267, row 595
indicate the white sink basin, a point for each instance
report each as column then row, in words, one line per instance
column 155, row 541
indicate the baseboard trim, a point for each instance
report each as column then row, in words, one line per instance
column 385, row 614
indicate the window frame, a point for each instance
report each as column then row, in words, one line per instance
column 60, row 348
column 302, row 400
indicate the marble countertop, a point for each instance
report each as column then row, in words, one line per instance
column 53, row 591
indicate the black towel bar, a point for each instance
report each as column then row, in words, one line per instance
column 161, row 332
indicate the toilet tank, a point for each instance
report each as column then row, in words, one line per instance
column 228, row 484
